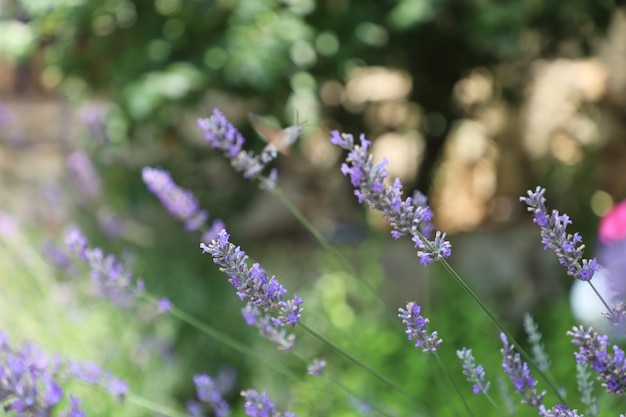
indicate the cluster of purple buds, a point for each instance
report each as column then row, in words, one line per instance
column 410, row 217
column 568, row 248
column 30, row 381
column 593, row 349
column 209, row 398
column 259, row 405
column 261, row 292
column 222, row 135
column 113, row 279
column 559, row 410
column 519, row 374
column 179, row 202
column 416, row 328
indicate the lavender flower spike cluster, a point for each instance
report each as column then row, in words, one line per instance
column 593, row 349
column 416, row 328
column 114, row 280
column 259, row 405
column 179, row 202
column 409, row 217
column 568, row 248
column 209, row 397
column 30, row 381
column 262, row 293
column 222, row 135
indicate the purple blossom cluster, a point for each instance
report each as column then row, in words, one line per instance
column 559, row 410
column 253, row 284
column 316, row 367
column 30, row 381
column 416, row 328
column 474, row 373
column 179, row 202
column 113, row 279
column 406, row 217
column 259, row 405
column 222, row 135
column 209, row 398
column 519, row 374
column 593, row 349
column 568, row 248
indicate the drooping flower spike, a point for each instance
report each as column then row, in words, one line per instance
column 222, row 135
column 568, row 248
column 410, row 217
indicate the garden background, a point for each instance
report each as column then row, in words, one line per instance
column 472, row 103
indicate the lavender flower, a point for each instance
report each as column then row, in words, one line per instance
column 405, row 217
column 267, row 328
column 519, row 374
column 179, row 202
column 164, row 305
column 209, row 398
column 559, row 410
column 222, row 135
column 475, row 373
column 416, row 328
column 259, row 405
column 85, row 174
column 568, row 248
column 253, row 284
column 592, row 348
column 30, row 381
column 317, row 367
column 114, row 280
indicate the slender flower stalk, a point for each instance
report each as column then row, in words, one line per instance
column 416, row 328
column 259, row 405
column 568, row 248
column 406, row 217
column 263, row 293
column 179, row 202
column 519, row 374
column 593, row 349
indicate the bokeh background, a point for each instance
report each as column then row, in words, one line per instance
column 472, row 102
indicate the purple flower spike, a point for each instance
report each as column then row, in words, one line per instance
column 180, row 203
column 406, row 217
column 416, row 328
column 593, row 349
column 559, row 410
column 474, row 373
column 209, row 398
column 519, row 374
column 260, row 291
column 568, row 248
column 259, row 405
column 222, row 135
column 113, row 279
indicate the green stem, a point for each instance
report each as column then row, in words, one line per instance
column 363, row 366
column 154, row 407
column 454, row 385
column 493, row 319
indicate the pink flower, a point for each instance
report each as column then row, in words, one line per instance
column 613, row 224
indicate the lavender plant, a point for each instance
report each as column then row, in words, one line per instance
column 28, row 388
